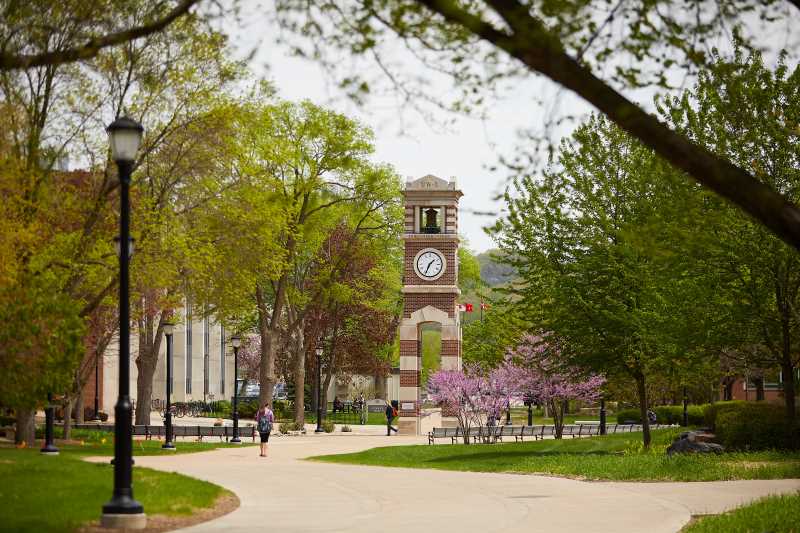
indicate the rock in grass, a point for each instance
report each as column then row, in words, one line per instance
column 694, row 442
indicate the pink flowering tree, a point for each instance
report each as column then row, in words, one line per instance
column 460, row 393
column 502, row 387
column 540, row 376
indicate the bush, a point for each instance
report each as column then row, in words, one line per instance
column 286, row 427
column 7, row 420
column 328, row 426
column 754, row 426
column 346, row 429
column 281, row 409
column 248, row 409
column 665, row 414
column 712, row 410
column 626, row 415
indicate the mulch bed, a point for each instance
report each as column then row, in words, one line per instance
column 225, row 504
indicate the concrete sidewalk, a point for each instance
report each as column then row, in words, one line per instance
column 284, row 493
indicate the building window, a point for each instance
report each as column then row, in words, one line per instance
column 222, row 360
column 188, row 347
column 206, row 356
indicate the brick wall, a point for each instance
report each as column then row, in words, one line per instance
column 409, row 378
column 448, row 249
column 415, row 302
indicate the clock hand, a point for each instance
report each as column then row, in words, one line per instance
column 429, row 266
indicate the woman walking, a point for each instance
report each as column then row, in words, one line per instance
column 264, row 420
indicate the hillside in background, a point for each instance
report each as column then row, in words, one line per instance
column 494, row 273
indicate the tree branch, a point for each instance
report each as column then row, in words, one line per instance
column 94, row 45
column 532, row 44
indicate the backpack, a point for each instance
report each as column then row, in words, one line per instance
column 264, row 424
column 394, row 412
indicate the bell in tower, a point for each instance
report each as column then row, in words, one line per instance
column 431, row 225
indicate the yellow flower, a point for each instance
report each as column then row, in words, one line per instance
column 103, row 440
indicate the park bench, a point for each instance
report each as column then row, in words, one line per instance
column 444, row 433
column 148, row 432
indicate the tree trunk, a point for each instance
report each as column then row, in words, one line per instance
column 727, row 394
column 380, row 387
column 268, row 328
column 146, row 361
column 300, row 376
column 759, row 389
column 26, row 426
column 641, row 391
column 557, row 408
column 79, row 418
column 68, row 418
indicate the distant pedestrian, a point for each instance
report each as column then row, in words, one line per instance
column 391, row 412
column 264, row 420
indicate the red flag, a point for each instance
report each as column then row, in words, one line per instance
column 469, row 308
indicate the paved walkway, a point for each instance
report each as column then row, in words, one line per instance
column 283, row 493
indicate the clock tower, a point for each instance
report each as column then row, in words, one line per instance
column 430, row 286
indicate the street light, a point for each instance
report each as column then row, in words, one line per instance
column 236, row 341
column 602, row 415
column 685, row 408
column 123, row 511
column 96, row 417
column 49, row 413
column 508, row 413
column 319, row 390
column 169, row 328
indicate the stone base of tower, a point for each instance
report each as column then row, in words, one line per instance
column 407, row 425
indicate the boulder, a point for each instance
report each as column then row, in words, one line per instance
column 695, row 442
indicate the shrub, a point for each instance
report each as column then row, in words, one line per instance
column 346, row 429
column 712, row 410
column 7, row 420
column 754, row 426
column 665, row 414
column 626, row 415
column 248, row 409
column 328, row 426
column 286, row 427
column 281, row 409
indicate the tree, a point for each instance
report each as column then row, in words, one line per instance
column 309, row 163
column 40, row 345
column 73, row 31
column 539, row 374
column 568, row 43
column 460, row 393
column 598, row 244
column 748, row 114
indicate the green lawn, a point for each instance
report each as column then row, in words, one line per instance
column 612, row 457
column 60, row 493
column 90, row 442
column 775, row 514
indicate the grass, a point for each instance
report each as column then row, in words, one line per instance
column 774, row 514
column 611, row 457
column 61, row 493
column 92, row 442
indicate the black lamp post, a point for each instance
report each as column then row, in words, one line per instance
column 236, row 341
column 685, row 408
column 123, row 511
column 49, row 413
column 508, row 413
column 96, row 417
column 528, row 400
column 169, row 328
column 602, row 416
column 319, row 390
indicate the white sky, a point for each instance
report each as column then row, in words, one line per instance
column 465, row 150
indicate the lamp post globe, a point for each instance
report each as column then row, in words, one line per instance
column 319, row 390
column 123, row 511
column 236, row 342
column 169, row 329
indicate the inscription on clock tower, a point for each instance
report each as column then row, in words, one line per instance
column 430, row 286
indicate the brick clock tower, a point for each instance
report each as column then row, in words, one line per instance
column 430, row 286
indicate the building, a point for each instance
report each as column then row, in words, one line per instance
column 202, row 365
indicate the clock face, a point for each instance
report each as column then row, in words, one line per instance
column 429, row 264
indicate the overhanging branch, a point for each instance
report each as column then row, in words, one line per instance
column 93, row 46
